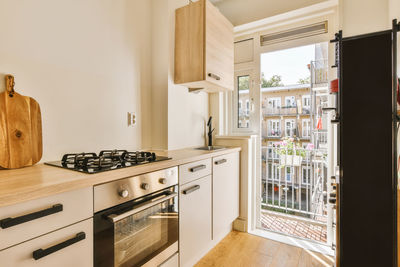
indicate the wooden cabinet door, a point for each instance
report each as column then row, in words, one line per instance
column 194, row 220
column 79, row 252
column 225, row 192
column 218, row 48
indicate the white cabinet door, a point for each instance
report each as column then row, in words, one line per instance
column 70, row 246
column 195, row 220
column 225, row 192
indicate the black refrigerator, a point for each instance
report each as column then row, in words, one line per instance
column 366, row 197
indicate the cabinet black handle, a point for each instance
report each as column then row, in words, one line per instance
column 214, row 76
column 197, row 168
column 221, row 161
column 191, row 189
column 40, row 253
column 9, row 222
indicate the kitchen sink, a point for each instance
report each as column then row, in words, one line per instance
column 210, row 148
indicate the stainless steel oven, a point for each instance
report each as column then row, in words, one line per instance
column 136, row 220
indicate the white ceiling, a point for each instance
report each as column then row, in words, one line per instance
column 245, row 11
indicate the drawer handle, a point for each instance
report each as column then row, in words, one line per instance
column 211, row 75
column 221, row 161
column 191, row 189
column 198, row 168
column 40, row 253
column 9, row 222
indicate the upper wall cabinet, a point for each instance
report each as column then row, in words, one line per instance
column 203, row 48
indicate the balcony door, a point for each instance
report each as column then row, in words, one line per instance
column 294, row 166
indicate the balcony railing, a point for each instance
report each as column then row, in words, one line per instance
column 288, row 110
column 285, row 111
column 273, row 134
column 295, row 182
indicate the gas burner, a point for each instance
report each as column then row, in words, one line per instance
column 77, row 158
column 106, row 160
column 100, row 162
column 138, row 157
column 114, row 154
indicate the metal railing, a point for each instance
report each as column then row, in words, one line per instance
column 273, row 134
column 287, row 110
column 319, row 72
column 294, row 182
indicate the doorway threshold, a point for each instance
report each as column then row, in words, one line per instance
column 295, row 241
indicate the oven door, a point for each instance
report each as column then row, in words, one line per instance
column 138, row 233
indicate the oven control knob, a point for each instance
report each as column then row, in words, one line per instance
column 162, row 181
column 144, row 186
column 124, row 193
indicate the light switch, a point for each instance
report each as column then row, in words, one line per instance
column 131, row 118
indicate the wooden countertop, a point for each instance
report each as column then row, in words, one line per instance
column 20, row 185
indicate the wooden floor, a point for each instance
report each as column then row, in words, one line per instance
column 245, row 250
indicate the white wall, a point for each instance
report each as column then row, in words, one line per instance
column 86, row 63
column 394, row 13
column 363, row 16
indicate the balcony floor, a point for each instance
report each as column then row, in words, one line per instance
column 290, row 226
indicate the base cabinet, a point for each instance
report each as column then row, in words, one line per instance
column 225, row 192
column 171, row 262
column 70, row 246
column 195, row 220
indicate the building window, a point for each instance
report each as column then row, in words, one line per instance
column 306, row 175
column 290, row 101
column 306, row 101
column 273, row 172
column 274, row 128
column 289, row 173
column 274, row 102
column 290, row 127
column 243, row 83
column 306, row 128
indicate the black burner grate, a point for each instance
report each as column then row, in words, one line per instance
column 105, row 160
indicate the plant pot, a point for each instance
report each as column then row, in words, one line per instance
column 290, row 160
column 297, row 160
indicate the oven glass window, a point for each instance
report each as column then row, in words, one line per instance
column 142, row 236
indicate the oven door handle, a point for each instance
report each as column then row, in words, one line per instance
column 115, row 218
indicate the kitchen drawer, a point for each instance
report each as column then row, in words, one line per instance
column 194, row 170
column 44, row 215
column 75, row 245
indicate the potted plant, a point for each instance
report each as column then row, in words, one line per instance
column 290, row 152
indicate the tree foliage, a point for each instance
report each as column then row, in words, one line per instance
column 244, row 82
column 306, row 80
column 274, row 81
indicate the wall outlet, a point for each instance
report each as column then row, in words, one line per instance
column 131, row 118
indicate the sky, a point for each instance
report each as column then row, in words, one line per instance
column 290, row 64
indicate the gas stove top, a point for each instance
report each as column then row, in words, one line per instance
column 106, row 160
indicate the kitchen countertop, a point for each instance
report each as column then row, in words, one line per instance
column 20, row 185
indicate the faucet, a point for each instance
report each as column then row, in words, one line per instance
column 209, row 124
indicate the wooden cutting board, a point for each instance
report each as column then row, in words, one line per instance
column 20, row 129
